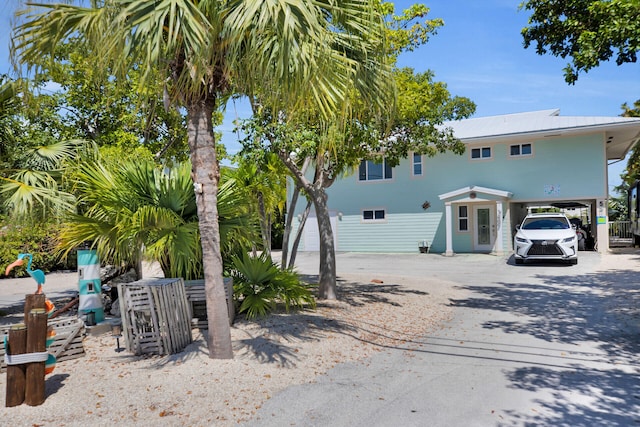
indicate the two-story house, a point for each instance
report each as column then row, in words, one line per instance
column 473, row 202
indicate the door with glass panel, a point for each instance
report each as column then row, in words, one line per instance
column 484, row 228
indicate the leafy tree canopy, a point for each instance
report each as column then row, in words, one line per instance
column 587, row 31
column 632, row 172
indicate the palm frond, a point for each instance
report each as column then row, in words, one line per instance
column 50, row 157
column 28, row 190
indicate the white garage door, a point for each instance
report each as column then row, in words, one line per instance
column 312, row 235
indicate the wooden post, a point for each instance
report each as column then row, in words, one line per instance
column 36, row 343
column 32, row 301
column 16, row 373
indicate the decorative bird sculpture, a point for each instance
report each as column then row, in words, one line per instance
column 37, row 275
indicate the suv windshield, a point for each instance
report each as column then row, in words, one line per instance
column 558, row 223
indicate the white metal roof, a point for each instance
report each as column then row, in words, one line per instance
column 621, row 132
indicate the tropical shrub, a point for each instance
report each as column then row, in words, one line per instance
column 259, row 285
column 38, row 239
column 125, row 207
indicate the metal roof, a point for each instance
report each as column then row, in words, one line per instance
column 620, row 132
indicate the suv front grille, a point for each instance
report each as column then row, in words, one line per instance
column 545, row 247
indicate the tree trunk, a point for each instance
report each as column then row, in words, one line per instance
column 296, row 242
column 316, row 191
column 290, row 213
column 264, row 224
column 206, row 174
column 287, row 227
column 327, row 277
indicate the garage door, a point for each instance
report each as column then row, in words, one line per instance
column 312, row 235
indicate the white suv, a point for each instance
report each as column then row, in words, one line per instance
column 546, row 236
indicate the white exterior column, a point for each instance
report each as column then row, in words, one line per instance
column 449, row 229
column 499, row 228
column 602, row 225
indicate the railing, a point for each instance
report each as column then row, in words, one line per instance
column 620, row 233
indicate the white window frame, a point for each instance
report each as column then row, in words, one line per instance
column 520, row 146
column 461, row 218
column 419, row 162
column 373, row 213
column 481, row 150
column 384, row 169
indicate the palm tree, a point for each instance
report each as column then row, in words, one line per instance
column 263, row 178
column 9, row 103
column 38, row 181
column 31, row 172
column 208, row 50
column 135, row 204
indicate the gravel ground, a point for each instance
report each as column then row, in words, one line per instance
column 116, row 388
column 189, row 389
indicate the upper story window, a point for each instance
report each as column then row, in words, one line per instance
column 371, row 171
column 520, row 150
column 481, row 153
column 416, row 164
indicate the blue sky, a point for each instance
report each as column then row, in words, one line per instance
column 479, row 54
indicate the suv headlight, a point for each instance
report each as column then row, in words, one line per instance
column 568, row 240
column 521, row 240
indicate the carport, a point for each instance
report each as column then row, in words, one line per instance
column 581, row 212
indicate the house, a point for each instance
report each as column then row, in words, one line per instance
column 473, row 202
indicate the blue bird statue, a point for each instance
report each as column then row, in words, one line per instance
column 37, row 275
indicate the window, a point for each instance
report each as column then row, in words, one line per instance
column 417, row 164
column 371, row 171
column 463, row 218
column 520, row 150
column 481, row 153
column 373, row 215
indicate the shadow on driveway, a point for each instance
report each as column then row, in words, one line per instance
column 601, row 310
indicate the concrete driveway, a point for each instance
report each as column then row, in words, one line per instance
column 533, row 345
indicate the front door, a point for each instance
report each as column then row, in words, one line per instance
column 484, row 228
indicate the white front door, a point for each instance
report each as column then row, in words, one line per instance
column 485, row 228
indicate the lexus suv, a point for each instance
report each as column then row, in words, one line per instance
column 544, row 237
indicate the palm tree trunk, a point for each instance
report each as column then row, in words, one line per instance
column 206, row 174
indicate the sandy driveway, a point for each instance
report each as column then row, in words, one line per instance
column 425, row 343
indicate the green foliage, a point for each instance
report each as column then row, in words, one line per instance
column 9, row 105
column 94, row 106
column 134, row 203
column 587, row 31
column 259, row 284
column 261, row 178
column 632, row 172
column 36, row 188
column 617, row 207
column 404, row 32
column 38, row 239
